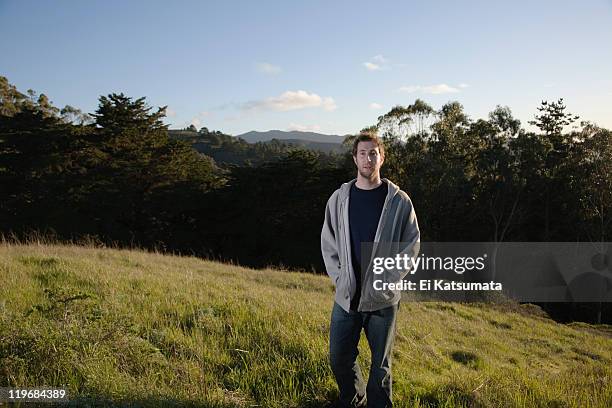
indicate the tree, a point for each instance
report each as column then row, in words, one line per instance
column 553, row 117
column 45, row 106
column 591, row 163
column 496, row 182
column 117, row 113
column 11, row 100
column 501, row 117
column 143, row 173
column 556, row 148
column 452, row 122
column 589, row 171
column 75, row 115
column 42, row 160
column 404, row 122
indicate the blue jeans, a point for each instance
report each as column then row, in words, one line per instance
column 345, row 331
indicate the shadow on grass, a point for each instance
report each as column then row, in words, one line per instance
column 467, row 358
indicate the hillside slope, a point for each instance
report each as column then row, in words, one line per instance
column 130, row 327
column 255, row 136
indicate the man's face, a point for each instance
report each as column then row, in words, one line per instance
column 368, row 159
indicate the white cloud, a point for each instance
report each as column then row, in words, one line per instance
column 292, row 100
column 170, row 113
column 197, row 120
column 463, row 85
column 377, row 63
column 303, row 128
column 370, row 66
column 329, row 104
column 375, row 106
column 409, row 89
column 267, row 68
column 439, row 89
column 430, row 89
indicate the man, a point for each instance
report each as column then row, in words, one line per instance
column 366, row 209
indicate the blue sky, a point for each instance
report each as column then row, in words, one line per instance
column 327, row 66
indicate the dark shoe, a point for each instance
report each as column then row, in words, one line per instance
column 355, row 403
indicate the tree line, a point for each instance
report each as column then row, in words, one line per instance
column 116, row 176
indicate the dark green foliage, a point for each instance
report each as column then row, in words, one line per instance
column 121, row 177
column 271, row 214
column 553, row 117
column 117, row 113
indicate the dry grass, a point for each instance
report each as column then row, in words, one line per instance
column 137, row 328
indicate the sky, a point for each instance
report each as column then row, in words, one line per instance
column 326, row 66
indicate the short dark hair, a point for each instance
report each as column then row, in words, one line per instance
column 368, row 137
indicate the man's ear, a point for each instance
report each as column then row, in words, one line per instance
column 355, row 160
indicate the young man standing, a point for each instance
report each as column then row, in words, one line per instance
column 366, row 209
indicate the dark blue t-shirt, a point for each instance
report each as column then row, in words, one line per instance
column 365, row 207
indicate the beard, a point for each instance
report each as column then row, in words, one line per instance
column 367, row 174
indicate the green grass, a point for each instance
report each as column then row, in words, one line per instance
column 121, row 327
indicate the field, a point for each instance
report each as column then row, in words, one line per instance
column 129, row 327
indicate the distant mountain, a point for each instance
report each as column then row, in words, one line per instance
column 226, row 149
column 256, row 146
column 254, row 137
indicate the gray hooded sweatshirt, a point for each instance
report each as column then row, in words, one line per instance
column 397, row 228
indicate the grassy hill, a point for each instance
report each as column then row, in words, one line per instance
column 135, row 328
